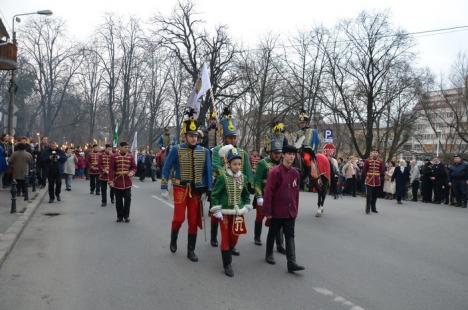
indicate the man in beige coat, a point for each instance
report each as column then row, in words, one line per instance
column 19, row 162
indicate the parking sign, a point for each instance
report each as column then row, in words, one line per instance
column 328, row 136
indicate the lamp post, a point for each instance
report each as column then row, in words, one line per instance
column 438, row 142
column 12, row 86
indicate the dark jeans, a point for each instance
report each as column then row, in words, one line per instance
column 275, row 226
column 400, row 190
column 371, row 198
column 426, row 190
column 22, row 186
column 351, row 186
column 438, row 191
column 460, row 192
column 123, row 198
column 43, row 176
column 94, row 183
column 55, row 186
column 414, row 189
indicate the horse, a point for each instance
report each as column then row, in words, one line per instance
column 315, row 173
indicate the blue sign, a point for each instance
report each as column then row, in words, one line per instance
column 328, row 136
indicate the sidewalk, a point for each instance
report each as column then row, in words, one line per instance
column 12, row 225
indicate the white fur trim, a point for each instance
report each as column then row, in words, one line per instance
column 215, row 208
column 235, row 211
column 229, row 171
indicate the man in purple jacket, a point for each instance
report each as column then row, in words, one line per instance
column 280, row 205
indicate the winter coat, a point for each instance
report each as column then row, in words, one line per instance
column 20, row 161
column 69, row 166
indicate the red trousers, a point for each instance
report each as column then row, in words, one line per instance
column 228, row 239
column 184, row 198
column 259, row 214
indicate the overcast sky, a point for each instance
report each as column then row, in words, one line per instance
column 248, row 20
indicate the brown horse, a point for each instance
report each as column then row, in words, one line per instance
column 315, row 174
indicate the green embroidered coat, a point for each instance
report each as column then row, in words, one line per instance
column 261, row 174
column 230, row 194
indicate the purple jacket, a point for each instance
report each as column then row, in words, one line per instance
column 281, row 194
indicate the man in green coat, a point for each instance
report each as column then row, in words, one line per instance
column 274, row 142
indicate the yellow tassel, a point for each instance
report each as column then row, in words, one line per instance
column 193, row 126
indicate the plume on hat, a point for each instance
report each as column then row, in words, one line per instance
column 225, row 149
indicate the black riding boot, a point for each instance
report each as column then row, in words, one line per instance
column 258, row 233
column 227, row 259
column 291, row 256
column 280, row 242
column 214, row 235
column 192, row 240
column 173, row 246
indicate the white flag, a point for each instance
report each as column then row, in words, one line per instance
column 202, row 85
column 134, row 148
column 205, row 81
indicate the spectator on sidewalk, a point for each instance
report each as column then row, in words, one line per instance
column 400, row 177
column 459, row 180
column 439, row 178
column 389, row 185
column 43, row 159
column 3, row 163
column 20, row 162
column 426, row 182
column 69, row 167
column 350, row 173
column 415, row 175
column 80, row 165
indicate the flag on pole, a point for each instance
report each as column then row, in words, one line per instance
column 115, row 138
column 202, row 85
column 315, row 140
column 134, row 148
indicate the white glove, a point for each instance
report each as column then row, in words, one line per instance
column 218, row 214
column 165, row 194
column 260, row 201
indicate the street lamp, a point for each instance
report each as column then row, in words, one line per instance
column 438, row 142
column 12, row 86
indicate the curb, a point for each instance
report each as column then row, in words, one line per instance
column 9, row 238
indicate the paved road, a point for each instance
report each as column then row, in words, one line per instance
column 409, row 257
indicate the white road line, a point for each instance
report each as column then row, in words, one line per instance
column 163, row 201
column 337, row 299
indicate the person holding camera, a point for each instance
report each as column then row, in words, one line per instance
column 54, row 160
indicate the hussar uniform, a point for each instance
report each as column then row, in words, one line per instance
column 229, row 128
column 230, row 198
column 372, row 172
column 191, row 167
column 275, row 143
column 92, row 162
column 122, row 168
column 103, row 164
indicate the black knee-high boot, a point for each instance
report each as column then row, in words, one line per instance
column 258, row 233
column 227, row 260
column 192, row 240
column 173, row 246
column 214, row 234
column 291, row 256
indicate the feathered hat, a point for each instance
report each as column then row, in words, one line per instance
column 228, row 123
column 229, row 152
column 190, row 123
column 274, row 140
column 303, row 117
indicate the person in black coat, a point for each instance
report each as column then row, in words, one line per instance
column 426, row 181
column 439, row 179
column 401, row 177
column 54, row 159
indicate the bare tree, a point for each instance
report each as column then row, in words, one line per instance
column 360, row 65
column 54, row 63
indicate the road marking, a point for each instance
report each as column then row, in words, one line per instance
column 163, row 201
column 337, row 299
